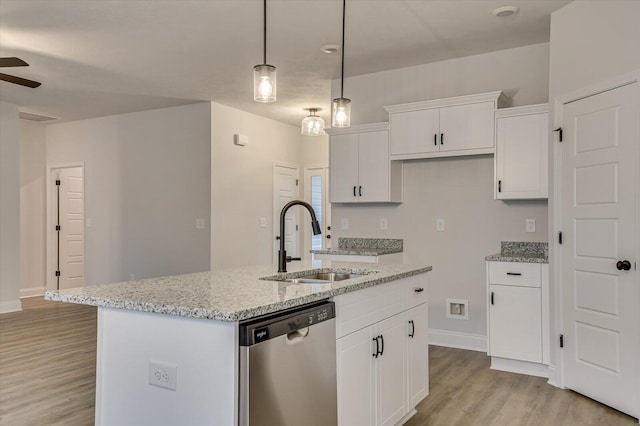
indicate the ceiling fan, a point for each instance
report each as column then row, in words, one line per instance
column 16, row 62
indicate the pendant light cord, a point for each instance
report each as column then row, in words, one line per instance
column 344, row 5
column 265, row 32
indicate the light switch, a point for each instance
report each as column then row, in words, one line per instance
column 263, row 222
column 383, row 223
column 440, row 225
column 88, row 222
column 200, row 223
column 345, row 223
column 531, row 225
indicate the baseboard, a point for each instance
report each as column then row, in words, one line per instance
column 520, row 367
column 32, row 291
column 553, row 377
column 451, row 339
column 10, row 306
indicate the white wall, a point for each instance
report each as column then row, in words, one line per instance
column 9, row 208
column 147, row 179
column 241, row 183
column 459, row 190
column 32, row 208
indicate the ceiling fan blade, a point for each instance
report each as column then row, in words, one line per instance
column 12, row 62
column 18, row 80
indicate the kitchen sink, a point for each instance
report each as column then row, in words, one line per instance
column 316, row 277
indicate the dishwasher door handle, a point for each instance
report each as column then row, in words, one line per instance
column 297, row 336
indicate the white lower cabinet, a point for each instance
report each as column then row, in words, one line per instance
column 382, row 367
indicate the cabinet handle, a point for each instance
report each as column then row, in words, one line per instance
column 492, row 298
column 377, row 352
column 514, row 273
column 360, row 191
column 354, row 191
column 499, row 186
column 413, row 329
column 381, row 345
column 435, row 139
column 418, row 290
column 441, row 138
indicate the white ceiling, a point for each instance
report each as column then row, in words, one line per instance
column 99, row 57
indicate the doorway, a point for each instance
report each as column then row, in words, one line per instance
column 599, row 162
column 66, row 227
column 286, row 181
column 316, row 193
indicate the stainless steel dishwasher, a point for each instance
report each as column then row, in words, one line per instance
column 288, row 368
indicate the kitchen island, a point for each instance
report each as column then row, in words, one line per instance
column 190, row 323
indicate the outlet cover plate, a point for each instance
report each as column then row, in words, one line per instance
column 163, row 375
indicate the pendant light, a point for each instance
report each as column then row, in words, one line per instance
column 341, row 108
column 264, row 75
column 312, row 125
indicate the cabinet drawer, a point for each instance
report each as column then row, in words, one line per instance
column 416, row 290
column 362, row 308
column 515, row 273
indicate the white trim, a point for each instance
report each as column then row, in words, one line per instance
column 520, row 367
column 359, row 128
column 32, row 291
column 603, row 86
column 498, row 97
column 10, row 306
column 553, row 377
column 49, row 271
column 276, row 214
column 452, row 339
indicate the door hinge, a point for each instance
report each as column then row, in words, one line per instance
column 57, row 227
column 562, row 341
column 57, row 273
column 297, row 182
column 296, row 228
column 559, row 130
column 560, row 237
column 58, row 182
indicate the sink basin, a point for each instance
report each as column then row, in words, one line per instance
column 316, row 277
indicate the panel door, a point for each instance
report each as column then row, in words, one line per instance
column 356, row 379
column 467, row 127
column 413, row 132
column 601, row 303
column 343, row 166
column 285, row 183
column 521, row 156
column 515, row 322
column 71, row 203
column 392, row 373
column 417, row 354
column 373, row 166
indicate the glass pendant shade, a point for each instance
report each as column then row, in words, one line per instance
column 264, row 83
column 312, row 125
column 341, row 112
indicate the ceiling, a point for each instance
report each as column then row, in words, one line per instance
column 102, row 57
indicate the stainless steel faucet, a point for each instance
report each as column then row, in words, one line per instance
column 315, row 226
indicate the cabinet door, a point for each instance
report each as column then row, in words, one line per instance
column 392, row 373
column 343, row 158
column 521, row 156
column 467, row 127
column 413, row 132
column 515, row 322
column 417, row 354
column 356, row 378
column 373, row 166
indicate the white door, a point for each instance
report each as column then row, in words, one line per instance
column 317, row 194
column 68, row 214
column 599, row 179
column 285, row 189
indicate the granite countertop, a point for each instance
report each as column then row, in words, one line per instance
column 525, row 252
column 364, row 247
column 231, row 294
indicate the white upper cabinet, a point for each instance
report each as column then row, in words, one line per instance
column 360, row 170
column 521, row 162
column 463, row 125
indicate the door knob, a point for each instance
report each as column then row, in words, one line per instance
column 623, row 265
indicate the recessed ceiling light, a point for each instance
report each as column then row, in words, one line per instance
column 330, row 49
column 505, row 11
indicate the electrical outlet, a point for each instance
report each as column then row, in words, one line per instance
column 345, row 223
column 132, row 277
column 383, row 223
column 163, row 375
column 440, row 225
column 200, row 223
column 263, row 222
column 531, row 225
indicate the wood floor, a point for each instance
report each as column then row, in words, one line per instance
column 47, row 377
